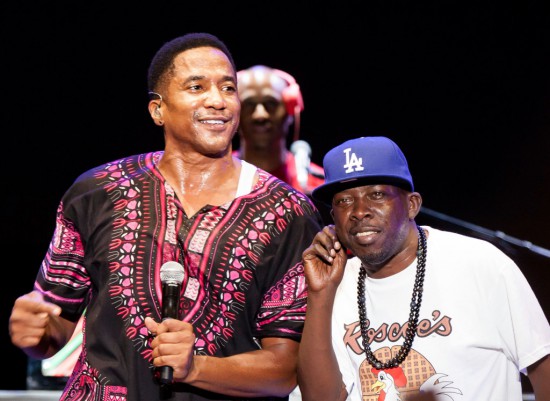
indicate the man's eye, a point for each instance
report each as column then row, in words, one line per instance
column 229, row 88
column 271, row 105
column 248, row 105
column 342, row 201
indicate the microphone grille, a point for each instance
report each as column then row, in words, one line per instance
column 172, row 272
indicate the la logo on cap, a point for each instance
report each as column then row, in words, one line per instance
column 353, row 163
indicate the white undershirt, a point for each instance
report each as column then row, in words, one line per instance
column 246, row 179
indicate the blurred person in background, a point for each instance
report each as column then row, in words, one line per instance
column 272, row 104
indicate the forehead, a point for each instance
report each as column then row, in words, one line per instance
column 260, row 82
column 202, row 61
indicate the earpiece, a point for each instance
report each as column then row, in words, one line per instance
column 152, row 94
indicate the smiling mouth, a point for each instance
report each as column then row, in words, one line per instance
column 213, row 122
column 365, row 233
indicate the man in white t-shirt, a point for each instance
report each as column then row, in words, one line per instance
column 397, row 311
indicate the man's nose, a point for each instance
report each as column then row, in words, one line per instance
column 260, row 111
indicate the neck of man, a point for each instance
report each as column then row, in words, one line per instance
column 267, row 158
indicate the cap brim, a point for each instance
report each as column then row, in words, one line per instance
column 324, row 193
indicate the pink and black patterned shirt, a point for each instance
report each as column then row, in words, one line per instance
column 116, row 226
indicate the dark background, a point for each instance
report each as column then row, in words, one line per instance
column 463, row 87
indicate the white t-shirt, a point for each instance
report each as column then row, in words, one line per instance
column 480, row 324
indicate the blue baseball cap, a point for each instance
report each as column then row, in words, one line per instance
column 362, row 161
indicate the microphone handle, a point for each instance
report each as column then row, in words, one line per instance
column 170, row 306
column 170, row 300
column 166, row 374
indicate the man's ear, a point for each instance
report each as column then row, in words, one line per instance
column 415, row 203
column 155, row 112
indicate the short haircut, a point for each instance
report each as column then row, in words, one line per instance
column 163, row 61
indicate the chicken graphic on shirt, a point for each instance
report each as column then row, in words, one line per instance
column 387, row 382
column 416, row 374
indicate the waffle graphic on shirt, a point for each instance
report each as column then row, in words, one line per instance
column 406, row 378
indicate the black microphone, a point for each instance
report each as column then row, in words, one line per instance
column 171, row 277
column 302, row 153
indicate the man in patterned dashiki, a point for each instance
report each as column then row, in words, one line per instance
column 239, row 233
